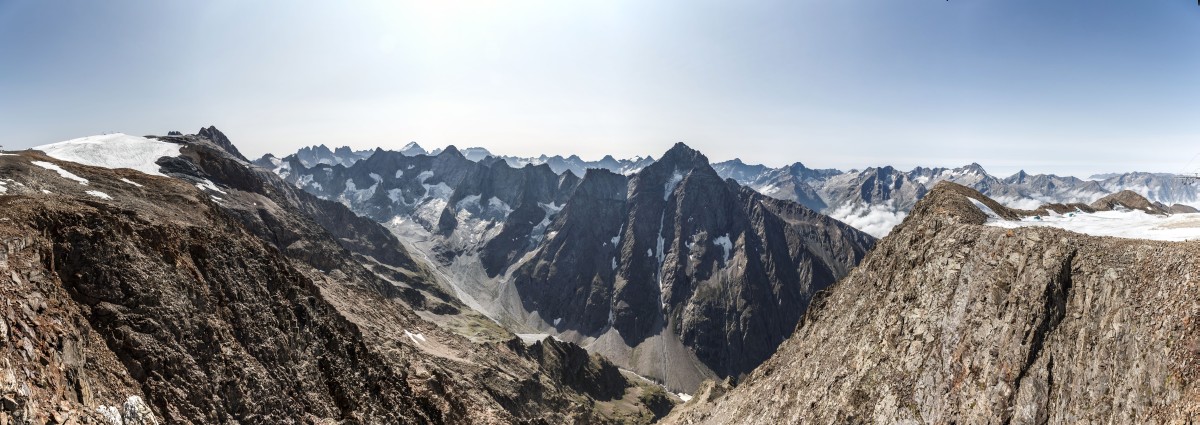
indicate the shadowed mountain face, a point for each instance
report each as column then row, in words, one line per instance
column 219, row 293
column 951, row 321
column 672, row 272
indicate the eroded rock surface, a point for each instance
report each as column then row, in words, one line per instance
column 950, row 321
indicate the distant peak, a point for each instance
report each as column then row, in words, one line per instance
column 608, row 158
column 797, row 166
column 681, row 149
column 683, row 156
column 218, row 138
column 413, row 149
column 451, row 151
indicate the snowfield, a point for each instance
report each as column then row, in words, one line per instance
column 117, row 150
column 61, row 172
column 1131, row 224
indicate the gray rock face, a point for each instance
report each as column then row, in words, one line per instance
column 311, row 156
column 217, row 137
column 875, row 186
column 793, row 183
column 951, row 321
column 726, row 269
column 671, row 253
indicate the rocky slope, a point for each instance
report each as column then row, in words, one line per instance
column 950, row 321
column 221, row 294
column 671, row 272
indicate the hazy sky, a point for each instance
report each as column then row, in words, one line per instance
column 1064, row 86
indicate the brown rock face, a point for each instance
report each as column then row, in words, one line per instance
column 164, row 301
column 951, row 321
column 1131, row 200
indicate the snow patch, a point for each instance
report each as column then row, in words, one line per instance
column 725, row 244
column 416, row 337
column 985, row 209
column 99, row 194
column 359, row 195
column 1130, row 224
column 499, row 207
column 685, row 397
column 396, row 195
column 116, row 150
column 61, row 172
column 131, row 182
column 671, row 183
column 209, row 185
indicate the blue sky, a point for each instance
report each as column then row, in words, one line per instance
column 1064, row 86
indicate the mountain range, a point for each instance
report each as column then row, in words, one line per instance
column 671, row 272
column 874, row 199
column 168, row 279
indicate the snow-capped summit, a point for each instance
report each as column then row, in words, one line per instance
column 117, row 150
column 413, row 149
column 476, row 153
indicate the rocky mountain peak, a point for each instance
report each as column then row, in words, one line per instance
column 974, row 168
column 216, row 136
column 1021, row 177
column 451, row 151
column 683, row 157
column 1130, row 200
column 413, row 149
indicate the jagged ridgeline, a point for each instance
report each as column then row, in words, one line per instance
column 876, row 199
column 669, row 271
column 172, row 282
column 949, row 320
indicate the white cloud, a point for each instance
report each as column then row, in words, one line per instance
column 876, row 220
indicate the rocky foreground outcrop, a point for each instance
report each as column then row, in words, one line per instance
column 220, row 294
column 950, row 321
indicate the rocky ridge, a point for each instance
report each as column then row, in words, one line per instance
column 222, row 294
column 948, row 320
